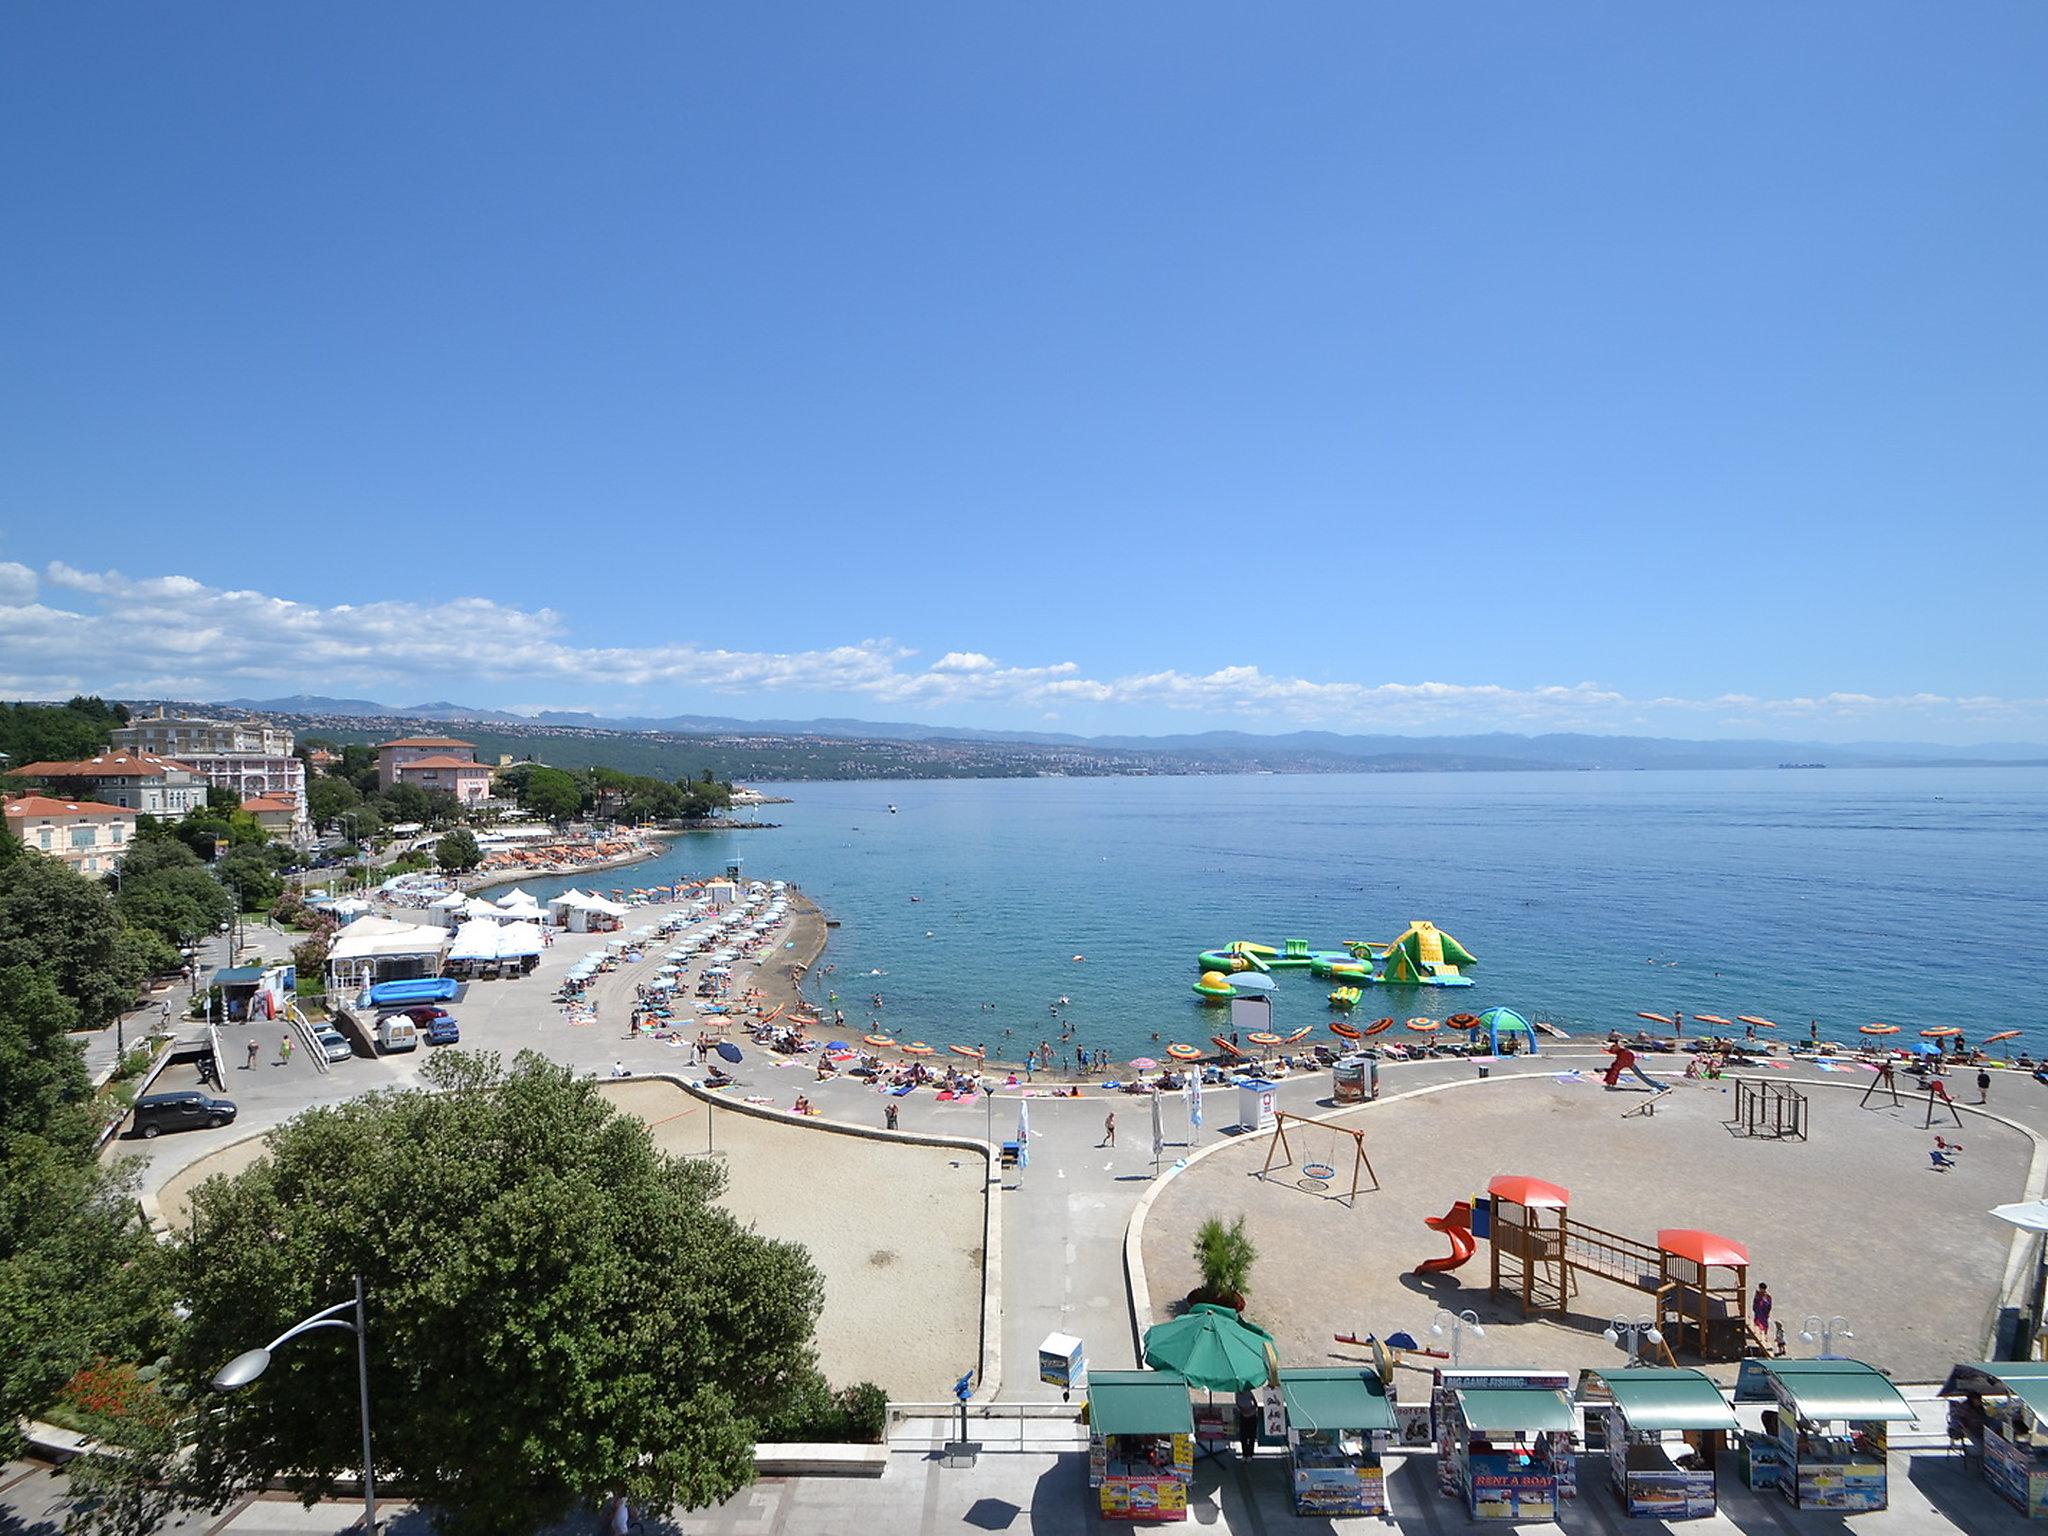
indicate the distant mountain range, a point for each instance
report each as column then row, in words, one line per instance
column 1211, row 751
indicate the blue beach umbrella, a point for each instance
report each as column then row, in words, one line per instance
column 729, row 1051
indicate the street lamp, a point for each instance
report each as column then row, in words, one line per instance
column 1461, row 1322
column 1632, row 1336
column 245, row 1368
column 1825, row 1331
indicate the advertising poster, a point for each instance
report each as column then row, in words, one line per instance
column 1673, row 1495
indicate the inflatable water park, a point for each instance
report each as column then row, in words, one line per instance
column 1423, row 955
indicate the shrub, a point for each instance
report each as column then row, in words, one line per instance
column 816, row 1414
column 1225, row 1256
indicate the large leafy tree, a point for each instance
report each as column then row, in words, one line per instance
column 34, row 733
column 328, row 795
column 62, row 924
column 79, row 1274
column 458, row 852
column 558, row 1311
column 551, row 793
column 166, row 889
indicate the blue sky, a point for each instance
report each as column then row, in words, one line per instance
column 1128, row 367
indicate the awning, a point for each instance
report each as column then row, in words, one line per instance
column 238, row 976
column 1827, row 1390
column 2026, row 1380
column 1516, row 1410
column 1703, row 1248
column 1520, row 1189
column 1139, row 1403
column 1335, row 1398
column 1658, row 1398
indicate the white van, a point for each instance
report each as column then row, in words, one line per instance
column 397, row 1033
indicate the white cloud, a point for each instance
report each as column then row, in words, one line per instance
column 172, row 636
column 17, row 583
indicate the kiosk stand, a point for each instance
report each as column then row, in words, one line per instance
column 1824, row 1442
column 1664, row 1429
column 1141, row 1444
column 1339, row 1419
column 1504, row 1443
column 2003, row 1408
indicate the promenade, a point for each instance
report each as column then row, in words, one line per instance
column 1853, row 1221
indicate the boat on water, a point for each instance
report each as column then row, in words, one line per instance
column 892, row 810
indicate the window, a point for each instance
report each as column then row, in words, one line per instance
column 83, row 837
column 46, row 838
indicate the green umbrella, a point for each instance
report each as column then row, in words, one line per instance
column 1212, row 1346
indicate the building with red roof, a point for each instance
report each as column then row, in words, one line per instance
column 89, row 836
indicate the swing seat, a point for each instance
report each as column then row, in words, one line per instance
column 1318, row 1171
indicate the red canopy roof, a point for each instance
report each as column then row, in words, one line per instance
column 1520, row 1189
column 1703, row 1248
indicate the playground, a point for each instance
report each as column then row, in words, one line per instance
column 1854, row 1219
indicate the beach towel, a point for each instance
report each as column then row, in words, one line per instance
column 946, row 1095
column 1574, row 1076
column 898, row 1093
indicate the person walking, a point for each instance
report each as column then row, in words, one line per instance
column 1983, row 1086
column 1247, row 1424
column 889, row 1116
column 250, row 1064
column 1108, row 1130
column 1760, row 1309
column 284, row 1051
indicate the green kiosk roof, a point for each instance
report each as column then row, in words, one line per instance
column 1827, row 1390
column 1658, row 1398
column 1336, row 1397
column 2026, row 1380
column 1139, row 1403
column 1516, row 1410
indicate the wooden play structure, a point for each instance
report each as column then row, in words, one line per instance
column 1699, row 1281
column 1767, row 1110
column 1317, row 1175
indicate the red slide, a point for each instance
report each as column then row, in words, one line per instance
column 1456, row 1224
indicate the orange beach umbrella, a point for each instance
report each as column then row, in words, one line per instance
column 1657, row 1018
column 1378, row 1025
column 1463, row 1021
column 918, row 1048
column 1423, row 1026
column 1750, row 1018
column 1263, row 1037
column 1940, row 1032
column 2003, row 1034
column 1181, row 1052
column 876, row 1040
column 1712, row 1018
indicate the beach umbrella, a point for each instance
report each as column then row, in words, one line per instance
column 1263, row 1037
column 1194, row 1101
column 918, row 1048
column 729, row 1051
column 1940, row 1032
column 1023, row 1133
column 1158, row 1128
column 1180, row 1052
column 1657, row 1018
column 877, row 1040
column 1144, row 1063
column 1750, row 1018
column 1212, row 1346
column 1463, row 1021
column 1713, row 1018
column 1422, row 1026
column 837, row 1045
column 1925, row 1048
column 2003, row 1034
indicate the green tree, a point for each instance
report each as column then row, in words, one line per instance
column 557, row 1310
column 133, row 1481
column 359, row 767
column 35, row 733
column 226, row 801
column 167, row 890
column 551, row 793
column 63, row 925
column 78, row 1272
column 458, row 853
column 405, row 802
column 327, row 796
column 252, row 872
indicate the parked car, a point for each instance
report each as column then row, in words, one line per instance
column 334, row 1045
column 156, row 1113
column 443, row 1031
column 426, row 1013
column 396, row 1032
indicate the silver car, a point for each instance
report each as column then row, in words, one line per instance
column 334, row 1045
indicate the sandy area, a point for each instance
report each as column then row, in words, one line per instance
column 175, row 1198
column 895, row 1228
column 1852, row 1221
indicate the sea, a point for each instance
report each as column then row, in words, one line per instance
column 969, row 908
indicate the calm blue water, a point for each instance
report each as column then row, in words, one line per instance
column 1915, row 897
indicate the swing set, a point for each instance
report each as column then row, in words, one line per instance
column 1316, row 1175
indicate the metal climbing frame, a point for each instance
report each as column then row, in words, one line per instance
column 1768, row 1110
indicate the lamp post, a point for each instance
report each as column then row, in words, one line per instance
column 245, row 1368
column 1825, row 1331
column 1460, row 1322
column 1632, row 1336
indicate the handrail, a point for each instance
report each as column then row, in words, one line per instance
column 307, row 1035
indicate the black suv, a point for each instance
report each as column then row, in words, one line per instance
column 159, row 1112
